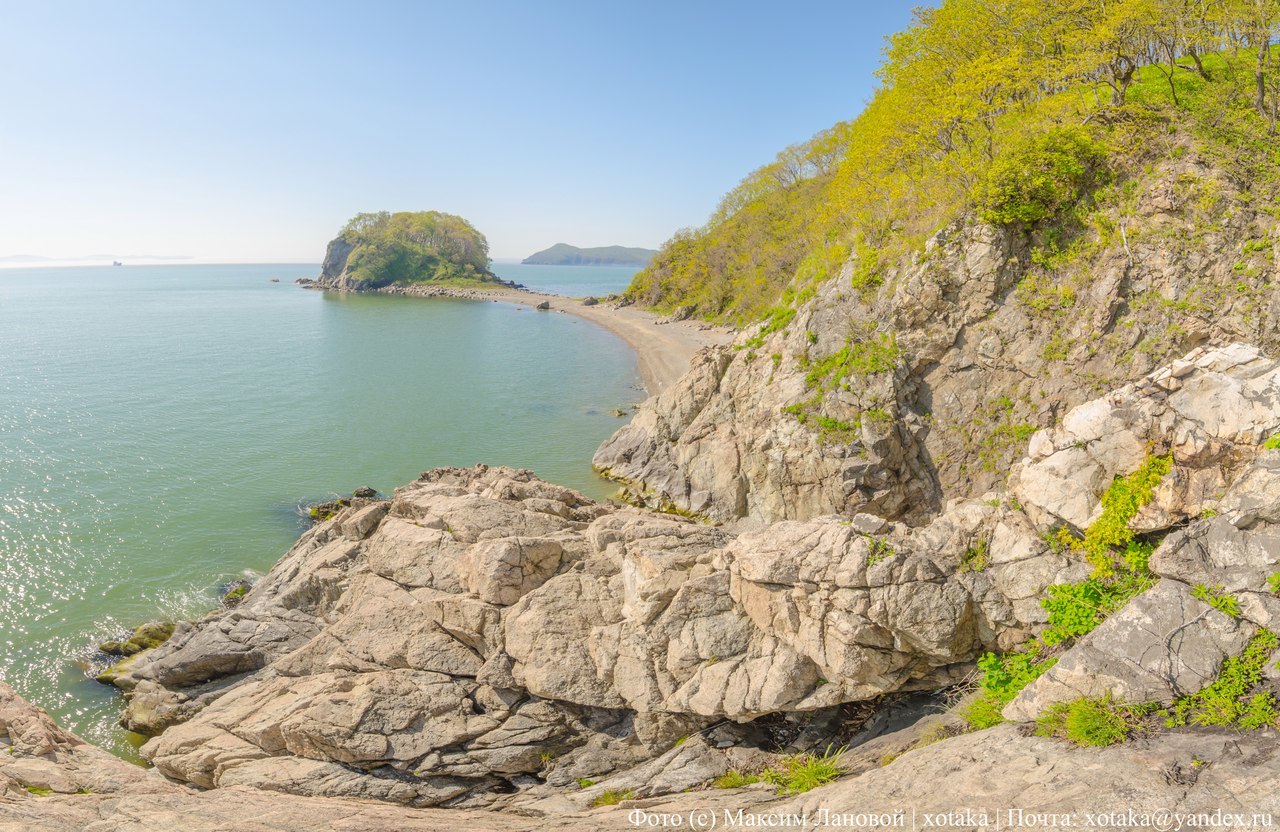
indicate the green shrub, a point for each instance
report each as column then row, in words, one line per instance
column 584, row 783
column 1230, row 701
column 877, row 354
column 1273, row 583
column 1076, row 609
column 975, row 558
column 1036, row 178
column 1002, row 678
column 802, row 772
column 1272, row 443
column 878, row 549
column 1087, row 721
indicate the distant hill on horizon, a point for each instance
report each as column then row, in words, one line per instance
column 563, row 254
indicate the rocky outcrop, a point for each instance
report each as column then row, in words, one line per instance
column 1167, row 642
column 442, row 647
column 894, row 389
column 333, row 271
column 1210, row 410
column 52, row 781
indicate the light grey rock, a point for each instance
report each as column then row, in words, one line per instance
column 501, row 571
column 1228, row 403
column 1162, row 645
column 439, row 645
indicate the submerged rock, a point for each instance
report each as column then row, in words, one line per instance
column 144, row 637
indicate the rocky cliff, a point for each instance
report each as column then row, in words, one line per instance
column 894, row 392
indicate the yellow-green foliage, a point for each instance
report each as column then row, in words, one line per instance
column 1015, row 108
column 1218, row 598
column 1037, row 177
column 1121, row 503
column 876, row 354
column 612, row 797
column 1076, row 609
column 734, row 779
column 1233, row 698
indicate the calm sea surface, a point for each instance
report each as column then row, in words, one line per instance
column 574, row 281
column 161, row 425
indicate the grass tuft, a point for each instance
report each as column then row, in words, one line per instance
column 1232, row 701
column 610, row 797
column 734, row 779
column 1090, row 721
column 800, row 773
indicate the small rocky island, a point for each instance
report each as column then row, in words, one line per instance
column 563, row 254
column 381, row 250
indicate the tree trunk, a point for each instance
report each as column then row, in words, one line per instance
column 1195, row 57
column 1260, row 72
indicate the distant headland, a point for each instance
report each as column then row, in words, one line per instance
column 563, row 254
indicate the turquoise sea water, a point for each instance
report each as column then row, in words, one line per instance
column 161, row 425
column 574, row 281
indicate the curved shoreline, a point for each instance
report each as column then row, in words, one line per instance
column 663, row 347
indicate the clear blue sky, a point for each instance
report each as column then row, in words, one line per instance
column 251, row 131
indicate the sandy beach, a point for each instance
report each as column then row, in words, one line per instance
column 663, row 348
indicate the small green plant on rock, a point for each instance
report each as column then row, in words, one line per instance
column 1076, row 609
column 611, row 797
column 1273, row 583
column 1089, row 721
column 976, row 557
column 1218, row 598
column 584, row 783
column 1122, row 502
column 878, row 549
column 801, row 772
column 1002, row 678
column 734, row 779
column 1232, row 700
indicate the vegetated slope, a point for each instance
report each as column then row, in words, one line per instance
column 380, row 249
column 964, row 92
column 1011, row 261
column 563, row 254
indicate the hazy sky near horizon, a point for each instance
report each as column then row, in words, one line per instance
column 251, row 131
